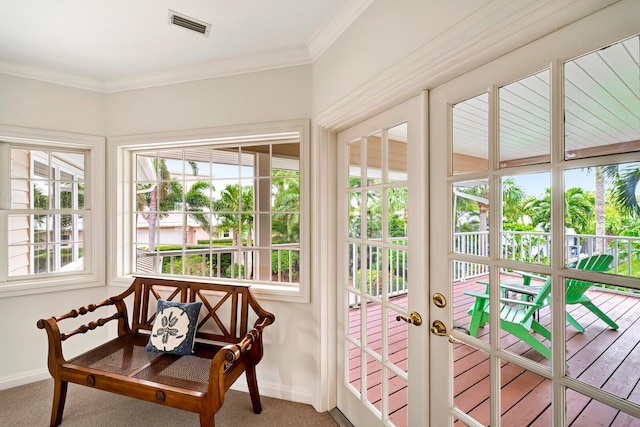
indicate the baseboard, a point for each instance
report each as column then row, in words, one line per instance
column 25, row 378
column 277, row 391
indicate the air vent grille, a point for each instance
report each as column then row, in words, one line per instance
column 191, row 24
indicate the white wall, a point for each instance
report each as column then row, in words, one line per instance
column 39, row 105
column 267, row 96
column 387, row 32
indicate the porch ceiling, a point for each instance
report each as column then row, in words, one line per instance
column 602, row 108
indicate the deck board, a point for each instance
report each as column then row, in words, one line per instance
column 600, row 357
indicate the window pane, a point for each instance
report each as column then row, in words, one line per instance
column 471, row 382
column 602, row 101
column 471, row 291
column 285, row 194
column 373, row 148
column 220, row 212
column 471, row 135
column 397, row 215
column 374, row 214
column 600, row 213
column 355, row 163
column 524, row 396
column 471, row 209
column 225, row 163
column 525, row 135
column 397, row 158
column 526, row 218
column 355, row 215
column 42, row 243
column 20, row 164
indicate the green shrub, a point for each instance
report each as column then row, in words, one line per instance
column 284, row 262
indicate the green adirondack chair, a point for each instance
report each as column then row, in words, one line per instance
column 516, row 317
column 575, row 289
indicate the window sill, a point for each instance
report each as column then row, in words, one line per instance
column 38, row 285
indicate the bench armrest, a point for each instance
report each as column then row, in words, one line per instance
column 56, row 337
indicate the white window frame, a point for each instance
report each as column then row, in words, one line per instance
column 93, row 274
column 120, row 157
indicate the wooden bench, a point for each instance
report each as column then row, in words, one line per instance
column 224, row 348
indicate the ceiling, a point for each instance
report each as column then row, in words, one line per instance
column 122, row 44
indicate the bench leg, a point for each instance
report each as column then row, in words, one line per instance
column 59, row 398
column 252, row 382
column 207, row 420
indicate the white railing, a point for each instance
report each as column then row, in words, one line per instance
column 470, row 243
column 536, row 247
column 223, row 262
column 366, row 269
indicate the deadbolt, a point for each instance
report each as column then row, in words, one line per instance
column 439, row 300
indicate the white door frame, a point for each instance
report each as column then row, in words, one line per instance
column 414, row 112
column 548, row 52
column 420, row 70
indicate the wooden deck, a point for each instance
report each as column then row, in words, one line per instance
column 600, row 356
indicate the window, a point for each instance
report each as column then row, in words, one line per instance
column 227, row 208
column 48, row 207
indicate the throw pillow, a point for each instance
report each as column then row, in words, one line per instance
column 174, row 328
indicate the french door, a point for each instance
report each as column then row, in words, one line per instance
column 382, row 331
column 520, row 152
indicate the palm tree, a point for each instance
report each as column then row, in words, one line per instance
column 512, row 201
column 625, row 184
column 480, row 195
column 166, row 192
column 286, row 200
column 578, row 210
column 230, row 210
column 625, row 189
column 153, row 196
column 196, row 199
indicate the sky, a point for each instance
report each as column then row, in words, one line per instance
column 536, row 184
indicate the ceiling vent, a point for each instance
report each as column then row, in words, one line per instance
column 190, row 24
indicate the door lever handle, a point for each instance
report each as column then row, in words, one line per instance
column 438, row 328
column 414, row 318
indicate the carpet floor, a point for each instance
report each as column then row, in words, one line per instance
column 30, row 405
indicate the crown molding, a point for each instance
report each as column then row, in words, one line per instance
column 471, row 43
column 221, row 68
column 51, row 76
column 332, row 28
column 188, row 73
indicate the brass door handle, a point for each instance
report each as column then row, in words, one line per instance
column 414, row 318
column 438, row 328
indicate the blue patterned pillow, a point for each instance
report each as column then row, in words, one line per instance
column 174, row 328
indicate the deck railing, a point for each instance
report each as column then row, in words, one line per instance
column 536, row 247
column 365, row 270
column 224, row 262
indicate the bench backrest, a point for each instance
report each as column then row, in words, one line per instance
column 226, row 312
